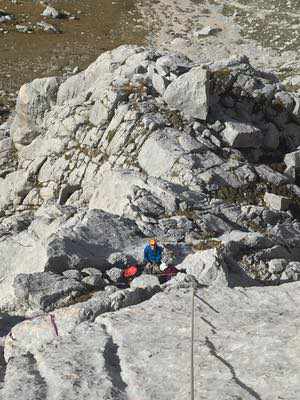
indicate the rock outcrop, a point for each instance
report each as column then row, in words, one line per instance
column 143, row 351
column 147, row 144
column 46, row 291
column 60, row 239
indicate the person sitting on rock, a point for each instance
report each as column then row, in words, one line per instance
column 152, row 257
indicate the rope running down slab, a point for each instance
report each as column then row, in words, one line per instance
column 192, row 344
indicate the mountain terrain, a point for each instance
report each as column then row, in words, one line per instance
column 145, row 144
column 191, row 137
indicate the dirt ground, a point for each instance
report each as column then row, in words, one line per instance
column 101, row 25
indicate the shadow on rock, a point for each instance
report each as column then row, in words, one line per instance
column 7, row 322
column 206, row 303
column 113, row 366
column 213, row 352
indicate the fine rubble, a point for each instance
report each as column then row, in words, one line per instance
column 143, row 144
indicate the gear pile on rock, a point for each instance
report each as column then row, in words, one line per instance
column 141, row 144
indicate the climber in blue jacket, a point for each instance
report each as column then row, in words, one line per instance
column 152, row 257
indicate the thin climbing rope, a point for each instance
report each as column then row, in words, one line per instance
column 192, row 343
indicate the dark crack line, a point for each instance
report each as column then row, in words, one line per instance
column 112, row 365
column 214, row 329
column 2, row 366
column 208, row 305
column 213, row 352
column 38, row 381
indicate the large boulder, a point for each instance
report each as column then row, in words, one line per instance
column 33, row 101
column 189, row 93
column 51, row 12
column 89, row 238
column 240, row 135
column 207, row 267
column 277, row 265
column 114, row 188
column 46, row 291
column 277, row 202
column 59, row 239
column 172, row 63
column 14, row 188
column 144, row 281
column 115, row 275
column 160, row 152
column 267, row 174
column 21, row 253
column 91, row 82
column 292, row 159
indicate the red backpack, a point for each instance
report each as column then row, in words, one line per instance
column 130, row 272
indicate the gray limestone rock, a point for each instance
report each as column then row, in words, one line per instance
column 145, row 281
column 90, row 271
column 94, row 281
column 291, row 134
column 89, row 239
column 81, row 364
column 59, row 239
column 206, row 31
column 285, row 100
column 296, row 111
column 50, row 12
column 14, row 188
column 172, row 63
column 47, row 27
column 104, row 359
column 160, row 152
column 206, row 266
column 5, row 16
column 6, row 150
column 115, row 275
column 295, row 266
column 23, row 28
column 189, row 93
column 292, row 271
column 118, row 260
column 33, row 101
column 73, row 274
column 160, row 83
column 277, row 265
column 271, row 137
column 105, row 143
column 224, row 318
column 241, row 135
column 104, row 302
column 110, row 289
column 46, row 291
column 113, row 191
column 276, row 202
column 292, row 159
column 267, row 174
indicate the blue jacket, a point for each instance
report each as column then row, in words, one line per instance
column 152, row 255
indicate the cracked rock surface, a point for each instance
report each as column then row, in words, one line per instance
column 146, row 144
column 245, row 342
